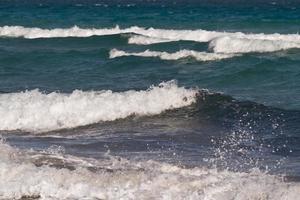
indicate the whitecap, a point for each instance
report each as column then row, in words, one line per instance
column 244, row 45
column 125, row 179
column 200, row 56
column 36, row 111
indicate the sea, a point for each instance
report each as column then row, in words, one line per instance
column 157, row 99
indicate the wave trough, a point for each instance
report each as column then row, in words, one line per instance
column 35, row 111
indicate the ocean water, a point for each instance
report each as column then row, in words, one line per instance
column 150, row 100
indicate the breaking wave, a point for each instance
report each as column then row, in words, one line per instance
column 200, row 56
column 75, row 31
column 143, row 40
column 244, row 45
column 227, row 42
column 36, row 111
column 22, row 177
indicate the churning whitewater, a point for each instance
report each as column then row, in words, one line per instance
column 220, row 42
column 36, row 111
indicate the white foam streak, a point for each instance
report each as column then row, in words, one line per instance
column 163, row 34
column 200, row 56
column 142, row 40
column 240, row 45
column 207, row 36
column 261, row 42
column 31, row 33
column 221, row 42
column 35, row 111
column 135, row 180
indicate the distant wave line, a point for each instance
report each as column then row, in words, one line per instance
column 200, row 56
column 219, row 42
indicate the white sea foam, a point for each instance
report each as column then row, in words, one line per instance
column 143, row 40
column 36, row 111
column 236, row 42
column 166, row 34
column 200, row 56
column 151, row 35
column 244, row 45
column 19, row 177
column 75, row 31
column 220, row 42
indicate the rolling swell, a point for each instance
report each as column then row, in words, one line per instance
column 238, row 133
column 165, row 100
column 253, row 130
column 248, row 129
column 257, row 118
column 219, row 41
column 36, row 111
column 199, row 56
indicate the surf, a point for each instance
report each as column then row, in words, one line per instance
column 220, row 42
column 22, row 176
column 36, row 111
column 199, row 56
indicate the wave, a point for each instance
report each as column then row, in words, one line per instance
column 200, row 56
column 237, row 42
column 245, row 45
column 36, row 111
column 75, row 31
column 151, row 35
column 198, row 35
column 143, row 40
column 22, row 177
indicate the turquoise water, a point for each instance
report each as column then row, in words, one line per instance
column 66, row 64
column 237, row 113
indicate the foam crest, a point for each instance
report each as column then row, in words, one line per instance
column 200, row 35
column 75, row 31
column 200, row 56
column 252, row 42
column 245, row 45
column 142, row 40
column 220, row 42
column 167, row 34
column 36, row 111
column 125, row 179
column 159, row 34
